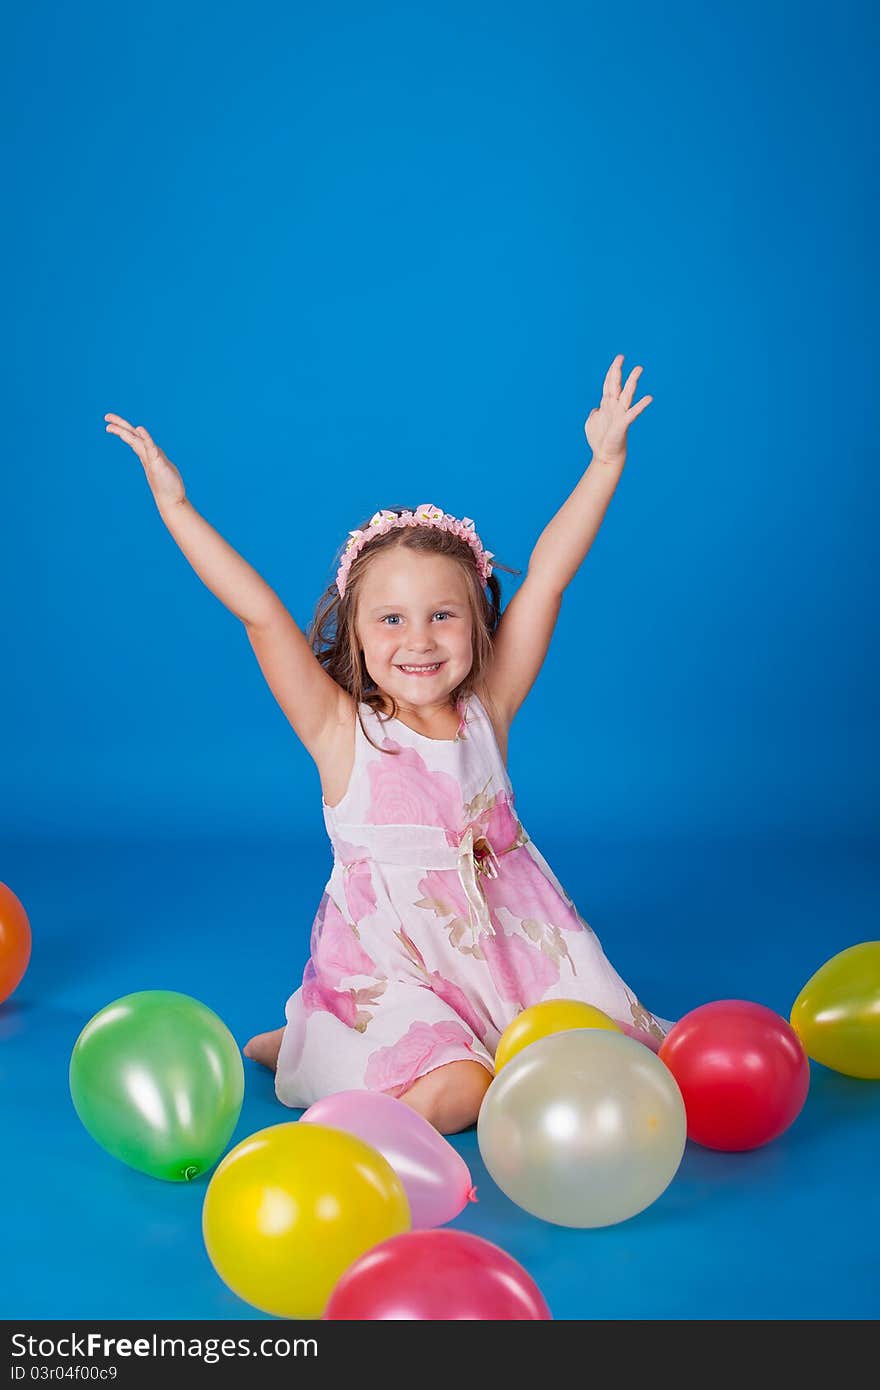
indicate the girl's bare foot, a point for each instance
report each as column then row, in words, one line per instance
column 264, row 1048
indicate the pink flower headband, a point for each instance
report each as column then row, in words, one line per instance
column 425, row 515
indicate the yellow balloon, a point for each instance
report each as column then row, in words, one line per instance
column 837, row 1013
column 291, row 1207
column 550, row 1016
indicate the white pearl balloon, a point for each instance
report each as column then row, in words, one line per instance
column 585, row 1127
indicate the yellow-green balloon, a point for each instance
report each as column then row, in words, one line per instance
column 157, row 1079
column 837, row 1013
column 585, row 1127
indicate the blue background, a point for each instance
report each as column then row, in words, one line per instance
column 336, row 257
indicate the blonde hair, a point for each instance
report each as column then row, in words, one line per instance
column 333, row 632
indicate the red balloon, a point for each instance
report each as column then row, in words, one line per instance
column 15, row 941
column 436, row 1275
column 742, row 1072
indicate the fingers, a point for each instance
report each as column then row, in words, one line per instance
column 121, row 427
column 132, row 429
column 124, row 432
column 639, row 407
column 611, row 386
column 611, row 389
column 629, row 389
column 137, row 436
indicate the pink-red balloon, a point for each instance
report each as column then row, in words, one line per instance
column 439, row 1276
column 742, row 1072
column 434, row 1175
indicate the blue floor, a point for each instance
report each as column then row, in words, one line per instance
column 787, row 1231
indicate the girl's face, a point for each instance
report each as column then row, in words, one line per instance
column 413, row 611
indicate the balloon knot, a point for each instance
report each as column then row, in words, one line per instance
column 190, row 1172
column 472, row 1194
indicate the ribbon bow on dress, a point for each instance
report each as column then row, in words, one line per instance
column 477, row 859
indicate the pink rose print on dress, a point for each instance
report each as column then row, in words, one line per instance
column 357, row 880
column 495, row 819
column 520, row 972
column 423, row 1047
column 404, row 791
column 457, row 1000
column 550, row 940
column 523, row 890
column 644, row 1025
column 338, row 953
column 502, row 824
column 641, row 1036
column 346, row 1005
column 359, row 892
column 316, row 995
column 444, row 895
column 445, row 989
column 441, row 890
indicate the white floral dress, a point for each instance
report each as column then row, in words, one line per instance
column 441, row 921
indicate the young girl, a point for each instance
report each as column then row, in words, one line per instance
column 441, row 920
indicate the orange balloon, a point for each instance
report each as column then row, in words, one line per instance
column 15, row 941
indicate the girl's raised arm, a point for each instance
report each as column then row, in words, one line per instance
column 523, row 635
column 309, row 697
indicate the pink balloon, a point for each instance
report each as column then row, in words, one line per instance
column 439, row 1276
column 435, row 1176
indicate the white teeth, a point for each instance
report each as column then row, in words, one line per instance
column 435, row 666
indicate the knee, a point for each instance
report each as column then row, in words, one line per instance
column 449, row 1097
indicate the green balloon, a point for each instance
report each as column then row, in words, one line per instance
column 157, row 1079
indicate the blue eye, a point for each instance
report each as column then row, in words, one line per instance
column 444, row 611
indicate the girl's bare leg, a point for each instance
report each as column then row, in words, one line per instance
column 450, row 1096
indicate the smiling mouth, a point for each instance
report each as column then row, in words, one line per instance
column 420, row 670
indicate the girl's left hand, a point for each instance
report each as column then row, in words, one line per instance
column 608, row 423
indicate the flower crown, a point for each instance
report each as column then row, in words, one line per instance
column 425, row 515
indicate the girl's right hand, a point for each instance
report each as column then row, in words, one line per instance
column 165, row 481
